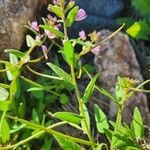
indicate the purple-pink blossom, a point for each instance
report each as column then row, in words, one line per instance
column 96, row 50
column 49, row 34
column 81, row 15
column 45, row 51
column 82, row 35
column 34, row 25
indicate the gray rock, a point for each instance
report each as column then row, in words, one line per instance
column 13, row 16
column 101, row 14
column 117, row 57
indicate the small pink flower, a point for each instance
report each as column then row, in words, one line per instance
column 81, row 15
column 38, row 38
column 96, row 50
column 34, row 25
column 45, row 51
column 49, row 34
column 82, row 35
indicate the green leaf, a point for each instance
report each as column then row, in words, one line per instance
column 68, row 116
column 53, row 30
column 101, row 120
column 5, row 105
column 85, row 123
column 65, row 76
column 12, row 71
column 4, row 130
column 71, row 16
column 68, row 52
column 137, row 127
column 13, row 59
column 35, row 116
column 89, row 90
column 105, row 93
column 57, row 10
column 15, row 52
column 70, row 5
column 67, row 144
column 64, row 99
column 30, row 41
column 15, row 89
column 143, row 6
column 5, row 86
column 139, row 30
column 35, row 89
column 3, row 94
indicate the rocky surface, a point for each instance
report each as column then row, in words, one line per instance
column 117, row 57
column 13, row 16
column 101, row 14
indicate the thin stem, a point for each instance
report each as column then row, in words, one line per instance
column 33, row 136
column 118, row 122
column 53, row 132
column 80, row 103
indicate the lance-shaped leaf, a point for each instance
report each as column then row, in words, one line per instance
column 30, row 41
column 4, row 130
column 68, row 116
column 137, row 127
column 3, row 94
column 65, row 76
column 15, row 52
column 71, row 16
column 89, row 90
column 85, row 123
column 101, row 120
column 70, row 5
column 56, row 32
column 57, row 10
column 68, row 53
column 67, row 144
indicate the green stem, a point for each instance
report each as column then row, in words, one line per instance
column 33, row 136
column 80, row 103
column 53, row 132
column 118, row 122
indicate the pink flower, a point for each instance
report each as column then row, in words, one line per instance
column 96, row 50
column 34, row 25
column 49, row 34
column 82, row 35
column 45, row 51
column 81, row 15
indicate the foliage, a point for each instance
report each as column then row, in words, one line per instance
column 139, row 29
column 56, row 84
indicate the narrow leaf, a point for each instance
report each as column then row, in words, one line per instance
column 85, row 123
column 68, row 52
column 52, row 30
column 89, row 90
column 65, row 76
column 101, row 120
column 4, row 129
column 15, row 52
column 105, row 93
column 70, row 5
column 68, row 116
column 71, row 16
column 30, row 41
column 57, row 10
column 3, row 94
column 67, row 144
column 137, row 127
